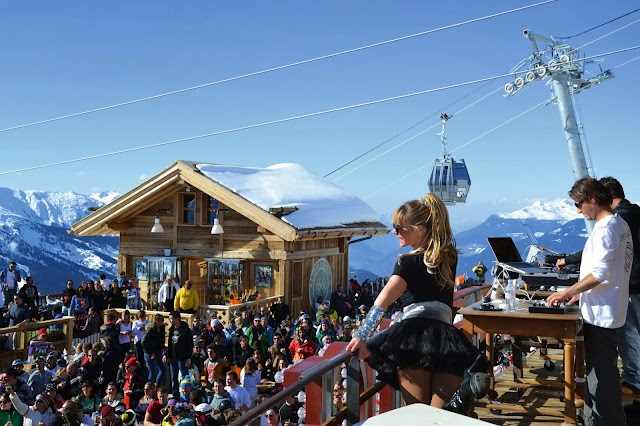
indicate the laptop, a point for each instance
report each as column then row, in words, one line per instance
column 534, row 241
column 509, row 258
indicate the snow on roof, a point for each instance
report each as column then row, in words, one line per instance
column 320, row 203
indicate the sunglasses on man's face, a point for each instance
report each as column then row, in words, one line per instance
column 269, row 415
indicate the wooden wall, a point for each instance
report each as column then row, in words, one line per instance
column 191, row 244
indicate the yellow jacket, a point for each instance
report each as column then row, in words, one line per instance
column 186, row 299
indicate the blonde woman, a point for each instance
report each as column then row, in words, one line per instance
column 423, row 354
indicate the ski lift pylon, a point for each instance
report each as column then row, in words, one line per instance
column 449, row 179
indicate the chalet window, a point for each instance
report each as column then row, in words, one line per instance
column 210, row 210
column 187, row 208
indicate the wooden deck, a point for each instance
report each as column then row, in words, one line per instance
column 533, row 397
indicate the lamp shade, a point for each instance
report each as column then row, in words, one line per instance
column 157, row 226
column 217, row 228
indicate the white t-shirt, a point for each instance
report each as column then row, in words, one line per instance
column 608, row 254
column 240, row 396
column 124, row 338
column 139, row 329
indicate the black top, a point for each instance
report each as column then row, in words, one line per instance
column 421, row 286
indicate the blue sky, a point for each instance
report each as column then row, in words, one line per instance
column 66, row 57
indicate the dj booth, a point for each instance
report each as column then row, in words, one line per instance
column 537, row 277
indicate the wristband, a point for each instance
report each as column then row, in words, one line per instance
column 369, row 325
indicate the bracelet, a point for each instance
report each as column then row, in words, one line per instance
column 369, row 325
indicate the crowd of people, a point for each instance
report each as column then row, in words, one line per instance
column 214, row 369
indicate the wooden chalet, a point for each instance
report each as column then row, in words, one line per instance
column 272, row 244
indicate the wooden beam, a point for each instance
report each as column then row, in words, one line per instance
column 119, row 208
column 118, row 226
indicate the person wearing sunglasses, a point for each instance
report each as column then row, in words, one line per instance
column 8, row 412
column 273, row 419
column 415, row 354
column 603, row 292
column 33, row 415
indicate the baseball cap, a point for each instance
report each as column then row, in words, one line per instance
column 362, row 307
column 215, row 322
column 347, row 318
column 203, row 408
column 17, row 362
column 132, row 361
column 52, row 354
column 172, row 401
column 40, row 359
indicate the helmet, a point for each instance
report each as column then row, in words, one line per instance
column 224, row 405
column 203, row 408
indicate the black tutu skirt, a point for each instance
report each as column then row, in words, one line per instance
column 420, row 343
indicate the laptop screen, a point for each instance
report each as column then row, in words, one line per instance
column 530, row 234
column 504, row 249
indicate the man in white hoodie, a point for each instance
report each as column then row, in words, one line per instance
column 39, row 412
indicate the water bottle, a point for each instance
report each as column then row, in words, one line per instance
column 510, row 295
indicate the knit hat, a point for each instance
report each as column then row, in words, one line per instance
column 42, row 332
column 172, row 401
column 106, row 410
column 325, row 322
column 185, row 384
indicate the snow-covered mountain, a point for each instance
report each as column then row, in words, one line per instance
column 556, row 224
column 33, row 230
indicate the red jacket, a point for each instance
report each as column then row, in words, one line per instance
column 301, row 349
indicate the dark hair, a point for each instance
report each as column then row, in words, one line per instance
column 175, row 314
column 161, row 388
column 589, row 188
column 614, row 187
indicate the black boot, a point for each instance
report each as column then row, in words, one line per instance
column 475, row 386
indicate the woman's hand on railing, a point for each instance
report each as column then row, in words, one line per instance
column 358, row 347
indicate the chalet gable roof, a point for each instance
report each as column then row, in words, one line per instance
column 312, row 205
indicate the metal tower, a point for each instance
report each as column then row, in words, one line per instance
column 566, row 73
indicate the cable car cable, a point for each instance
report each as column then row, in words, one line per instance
column 597, row 26
column 278, row 68
column 283, row 120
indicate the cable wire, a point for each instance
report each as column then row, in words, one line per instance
column 460, row 147
column 516, row 67
column 278, row 68
column 283, row 120
column 486, row 133
column 414, row 136
column 253, row 126
column 598, row 26
column 405, row 130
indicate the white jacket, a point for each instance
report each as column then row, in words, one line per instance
column 32, row 416
column 163, row 293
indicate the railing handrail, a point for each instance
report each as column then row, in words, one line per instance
column 29, row 326
column 307, row 377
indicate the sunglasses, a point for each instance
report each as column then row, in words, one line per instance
column 579, row 203
column 269, row 415
column 4, row 401
column 398, row 228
